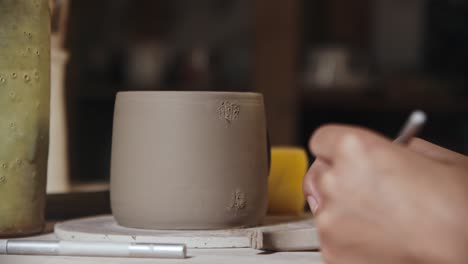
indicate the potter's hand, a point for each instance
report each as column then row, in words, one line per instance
column 417, row 145
column 379, row 202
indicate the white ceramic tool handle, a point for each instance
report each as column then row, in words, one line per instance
column 94, row 249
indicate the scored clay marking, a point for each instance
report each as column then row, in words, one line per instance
column 238, row 200
column 229, row 111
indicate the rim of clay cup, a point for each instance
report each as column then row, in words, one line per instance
column 141, row 95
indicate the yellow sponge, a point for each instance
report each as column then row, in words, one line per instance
column 288, row 167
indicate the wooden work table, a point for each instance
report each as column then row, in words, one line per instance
column 206, row 256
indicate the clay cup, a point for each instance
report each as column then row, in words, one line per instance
column 189, row 160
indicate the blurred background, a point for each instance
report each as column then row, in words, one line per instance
column 362, row 62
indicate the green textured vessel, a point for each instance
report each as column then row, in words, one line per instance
column 24, row 114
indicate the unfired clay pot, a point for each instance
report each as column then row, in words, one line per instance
column 189, row 160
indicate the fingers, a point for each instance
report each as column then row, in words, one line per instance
column 435, row 152
column 327, row 142
column 310, row 183
column 319, row 182
column 352, row 157
column 319, row 188
column 324, row 181
column 327, row 185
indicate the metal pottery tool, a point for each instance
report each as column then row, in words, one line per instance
column 413, row 125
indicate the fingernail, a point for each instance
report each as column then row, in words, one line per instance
column 312, row 203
